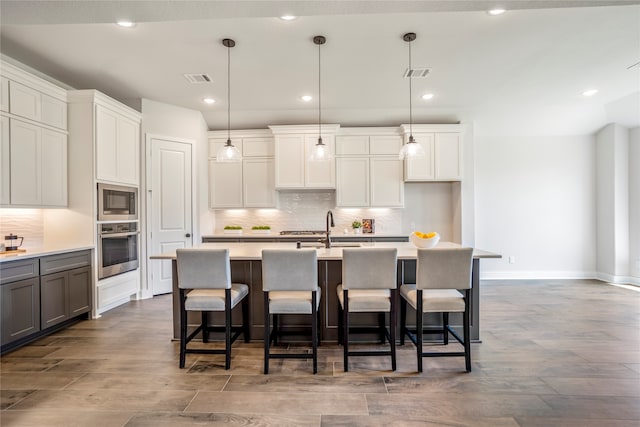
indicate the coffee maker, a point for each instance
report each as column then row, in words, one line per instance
column 11, row 242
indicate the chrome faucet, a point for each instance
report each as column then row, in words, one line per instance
column 327, row 243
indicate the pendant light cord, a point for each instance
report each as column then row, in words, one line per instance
column 410, row 72
column 319, row 100
column 228, row 94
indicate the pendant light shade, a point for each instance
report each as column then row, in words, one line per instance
column 228, row 152
column 320, row 151
column 411, row 149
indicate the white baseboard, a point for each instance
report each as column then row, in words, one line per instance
column 536, row 275
column 550, row 275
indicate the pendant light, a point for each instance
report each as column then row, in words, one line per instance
column 320, row 151
column 411, row 149
column 228, row 152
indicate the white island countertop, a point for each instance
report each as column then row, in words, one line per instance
column 39, row 252
column 277, row 235
column 252, row 251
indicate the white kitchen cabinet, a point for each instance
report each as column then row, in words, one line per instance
column 258, row 178
column 352, row 181
column 117, row 147
column 4, row 94
column 5, row 161
column 37, row 165
column 246, row 184
column 225, row 184
column 369, row 173
column 443, row 148
column 387, row 186
column 293, row 169
column 32, row 104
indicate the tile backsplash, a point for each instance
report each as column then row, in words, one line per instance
column 307, row 211
column 27, row 223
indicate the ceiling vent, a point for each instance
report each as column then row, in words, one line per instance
column 198, row 78
column 416, row 73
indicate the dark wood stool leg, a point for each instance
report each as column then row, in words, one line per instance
column 246, row 326
column 419, row 330
column 183, row 329
column 382, row 326
column 267, row 332
column 205, row 326
column 392, row 327
column 445, row 331
column 466, row 332
column 227, row 329
column 403, row 319
column 314, row 331
column 345, row 330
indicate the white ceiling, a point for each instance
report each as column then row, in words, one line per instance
column 525, row 68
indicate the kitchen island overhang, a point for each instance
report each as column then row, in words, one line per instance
column 246, row 268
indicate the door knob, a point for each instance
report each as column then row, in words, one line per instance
column 187, row 235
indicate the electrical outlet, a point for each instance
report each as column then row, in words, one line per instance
column 512, row 259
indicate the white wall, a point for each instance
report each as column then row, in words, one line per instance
column 535, row 201
column 634, row 205
column 166, row 120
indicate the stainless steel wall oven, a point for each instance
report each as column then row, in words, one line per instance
column 117, row 248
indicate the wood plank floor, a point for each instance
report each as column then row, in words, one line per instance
column 553, row 353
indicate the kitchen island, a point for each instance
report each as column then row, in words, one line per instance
column 246, row 268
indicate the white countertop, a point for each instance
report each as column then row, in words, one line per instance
column 253, row 251
column 277, row 235
column 39, row 252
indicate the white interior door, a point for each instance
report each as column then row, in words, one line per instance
column 171, row 201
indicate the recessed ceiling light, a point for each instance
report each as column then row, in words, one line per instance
column 306, row 98
column 126, row 24
column 495, row 12
column 590, row 92
column 288, row 17
column 209, row 101
column 427, row 96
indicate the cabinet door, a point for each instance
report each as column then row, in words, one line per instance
column 320, row 174
column 127, row 151
column 352, row 145
column 5, row 161
column 79, row 291
column 422, row 169
column 54, row 302
column 259, row 183
column 25, row 159
column 389, row 145
column 24, row 101
column 54, row 168
column 448, row 156
column 106, row 144
column 225, row 184
column 257, row 147
column 387, row 186
column 53, row 111
column 20, row 302
column 352, row 188
column 290, row 161
column 4, row 94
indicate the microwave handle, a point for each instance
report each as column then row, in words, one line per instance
column 107, row 235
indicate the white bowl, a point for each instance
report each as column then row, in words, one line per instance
column 421, row 243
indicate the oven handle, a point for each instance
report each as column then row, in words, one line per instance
column 109, row 235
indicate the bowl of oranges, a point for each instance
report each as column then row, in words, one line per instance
column 425, row 240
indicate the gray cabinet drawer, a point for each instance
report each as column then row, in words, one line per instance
column 18, row 270
column 62, row 262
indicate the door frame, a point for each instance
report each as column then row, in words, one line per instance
column 146, row 288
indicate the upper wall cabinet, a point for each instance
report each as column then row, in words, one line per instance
column 369, row 173
column 117, row 146
column 443, row 153
column 114, row 132
column 246, row 184
column 293, row 169
column 33, row 145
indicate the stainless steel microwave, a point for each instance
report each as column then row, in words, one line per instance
column 117, row 203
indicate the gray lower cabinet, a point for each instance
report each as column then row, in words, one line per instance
column 39, row 293
column 65, row 295
column 20, row 309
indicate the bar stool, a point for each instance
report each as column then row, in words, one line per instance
column 369, row 283
column 440, row 274
column 290, row 285
column 204, row 280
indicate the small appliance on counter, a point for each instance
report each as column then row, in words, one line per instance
column 11, row 242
